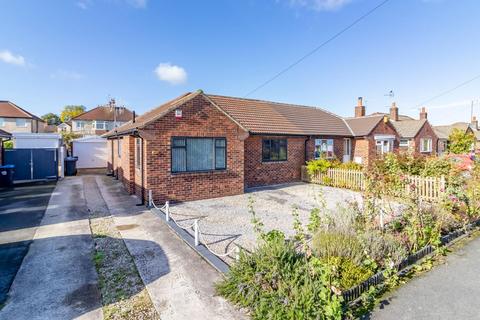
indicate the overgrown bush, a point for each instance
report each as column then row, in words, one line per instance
column 333, row 243
column 278, row 282
column 349, row 274
column 322, row 165
column 383, row 245
column 436, row 167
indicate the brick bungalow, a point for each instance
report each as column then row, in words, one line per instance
column 203, row 146
column 416, row 135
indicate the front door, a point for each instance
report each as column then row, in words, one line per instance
column 347, row 150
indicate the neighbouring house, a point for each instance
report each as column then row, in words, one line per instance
column 203, row 146
column 64, row 127
column 16, row 119
column 443, row 132
column 415, row 134
column 4, row 135
column 100, row 120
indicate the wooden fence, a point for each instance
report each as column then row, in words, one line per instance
column 428, row 188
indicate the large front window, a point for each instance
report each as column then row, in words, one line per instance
column 384, row 146
column 274, row 150
column 198, row 154
column 426, row 145
column 324, row 149
column 21, row 123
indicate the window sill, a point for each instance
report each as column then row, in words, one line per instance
column 274, row 161
column 199, row 173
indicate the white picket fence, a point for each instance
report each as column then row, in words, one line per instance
column 428, row 188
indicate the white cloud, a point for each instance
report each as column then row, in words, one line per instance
column 171, row 73
column 84, row 4
column 67, row 75
column 321, row 5
column 10, row 58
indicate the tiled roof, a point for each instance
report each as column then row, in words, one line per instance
column 11, row 110
column 443, row 132
column 401, row 117
column 257, row 116
column 362, row 126
column 408, row 128
column 105, row 114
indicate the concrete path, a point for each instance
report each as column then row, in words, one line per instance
column 57, row 279
column 449, row 291
column 180, row 283
column 21, row 211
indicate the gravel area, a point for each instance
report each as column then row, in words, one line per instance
column 226, row 220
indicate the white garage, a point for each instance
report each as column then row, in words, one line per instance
column 91, row 152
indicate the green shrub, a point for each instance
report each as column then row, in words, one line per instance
column 278, row 282
column 8, row 144
column 379, row 246
column 436, row 167
column 335, row 243
column 350, row 166
column 319, row 165
column 348, row 273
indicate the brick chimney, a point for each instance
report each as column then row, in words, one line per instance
column 394, row 112
column 423, row 113
column 360, row 108
column 474, row 123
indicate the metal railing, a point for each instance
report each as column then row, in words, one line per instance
column 198, row 236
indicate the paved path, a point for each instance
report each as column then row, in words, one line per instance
column 57, row 279
column 180, row 283
column 449, row 291
column 21, row 211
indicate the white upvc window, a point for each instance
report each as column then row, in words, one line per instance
column 324, row 149
column 384, row 146
column 21, row 123
column 138, row 153
column 404, row 143
column 80, row 125
column 99, row 125
column 2, row 122
column 426, row 145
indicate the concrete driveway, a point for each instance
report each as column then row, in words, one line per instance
column 21, row 211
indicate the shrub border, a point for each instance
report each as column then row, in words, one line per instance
column 353, row 294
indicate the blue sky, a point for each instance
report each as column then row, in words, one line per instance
column 144, row 52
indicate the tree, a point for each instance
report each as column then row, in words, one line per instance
column 70, row 112
column 460, row 142
column 51, row 118
column 68, row 137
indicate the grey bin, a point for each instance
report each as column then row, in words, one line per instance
column 71, row 166
column 6, row 175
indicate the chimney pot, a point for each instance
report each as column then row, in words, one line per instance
column 423, row 113
column 474, row 123
column 360, row 108
column 133, row 116
column 394, row 112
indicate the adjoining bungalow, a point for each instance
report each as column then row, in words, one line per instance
column 203, row 146
column 443, row 133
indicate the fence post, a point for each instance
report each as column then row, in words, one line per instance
column 196, row 232
column 150, row 199
column 237, row 253
column 167, row 211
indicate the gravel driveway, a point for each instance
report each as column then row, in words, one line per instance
column 226, row 220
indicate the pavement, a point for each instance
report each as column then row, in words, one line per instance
column 21, row 211
column 57, row 278
column 180, row 283
column 449, row 291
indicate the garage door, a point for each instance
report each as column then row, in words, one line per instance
column 90, row 154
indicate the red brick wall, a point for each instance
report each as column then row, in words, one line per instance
column 200, row 119
column 259, row 173
column 365, row 147
column 425, row 132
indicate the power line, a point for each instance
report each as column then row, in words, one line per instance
column 449, row 90
column 351, row 25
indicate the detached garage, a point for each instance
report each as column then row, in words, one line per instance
column 91, row 152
